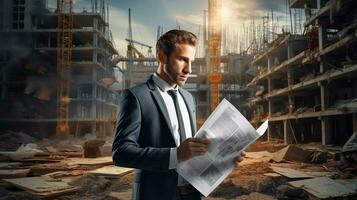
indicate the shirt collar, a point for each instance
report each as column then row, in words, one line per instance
column 162, row 84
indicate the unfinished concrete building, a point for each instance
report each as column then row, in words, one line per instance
column 29, row 81
column 307, row 85
column 234, row 69
column 235, row 76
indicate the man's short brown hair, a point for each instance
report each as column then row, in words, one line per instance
column 167, row 41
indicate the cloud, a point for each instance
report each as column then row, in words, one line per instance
column 243, row 10
column 190, row 19
column 190, row 22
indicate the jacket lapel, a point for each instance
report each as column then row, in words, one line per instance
column 160, row 102
column 162, row 107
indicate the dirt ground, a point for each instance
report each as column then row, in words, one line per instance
column 248, row 181
column 245, row 182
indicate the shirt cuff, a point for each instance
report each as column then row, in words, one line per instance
column 173, row 158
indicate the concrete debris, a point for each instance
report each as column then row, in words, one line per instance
column 68, row 146
column 31, row 147
column 18, row 156
column 41, row 169
column 58, row 175
column 40, row 187
column 92, row 183
column 14, row 173
column 265, row 146
column 12, row 195
column 258, row 154
column 318, row 157
column 92, row 148
column 8, row 165
column 292, row 173
column 350, row 183
column 296, row 153
column 351, row 144
column 71, row 164
column 23, row 152
column 11, row 141
column 111, row 171
column 324, row 188
column 346, row 159
column 103, row 161
column 254, row 178
column 288, row 192
column 292, row 153
column 106, row 149
column 273, row 175
column 228, row 190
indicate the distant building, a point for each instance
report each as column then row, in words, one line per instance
column 29, row 81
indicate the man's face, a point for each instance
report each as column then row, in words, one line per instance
column 178, row 64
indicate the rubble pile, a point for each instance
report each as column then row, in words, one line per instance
column 59, row 169
column 307, row 171
column 11, row 141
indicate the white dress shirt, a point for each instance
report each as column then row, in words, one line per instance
column 163, row 87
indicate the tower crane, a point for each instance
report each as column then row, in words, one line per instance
column 214, row 49
column 132, row 52
column 64, row 45
column 135, row 52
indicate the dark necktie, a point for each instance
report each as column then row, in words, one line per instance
column 181, row 129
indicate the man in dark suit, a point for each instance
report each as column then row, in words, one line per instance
column 157, row 122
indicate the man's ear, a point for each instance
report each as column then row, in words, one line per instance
column 161, row 57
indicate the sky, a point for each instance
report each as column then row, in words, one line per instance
column 147, row 15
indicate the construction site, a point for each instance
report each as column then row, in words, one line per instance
column 62, row 76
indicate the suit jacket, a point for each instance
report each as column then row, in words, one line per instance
column 143, row 140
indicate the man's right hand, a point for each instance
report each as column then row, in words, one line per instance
column 192, row 147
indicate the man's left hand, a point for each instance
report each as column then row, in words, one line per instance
column 238, row 159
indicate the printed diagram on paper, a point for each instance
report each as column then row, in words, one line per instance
column 230, row 133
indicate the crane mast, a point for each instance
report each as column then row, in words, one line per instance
column 214, row 49
column 64, row 45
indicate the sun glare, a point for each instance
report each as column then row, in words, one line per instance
column 226, row 13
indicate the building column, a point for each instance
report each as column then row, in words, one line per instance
column 325, row 125
column 354, row 122
column 95, row 45
column 326, row 131
column 94, row 128
column 290, row 97
column 269, row 132
column 322, row 35
column 94, row 95
column 95, row 23
column 270, row 103
column 290, row 50
column 324, row 96
column 288, row 139
column 3, row 78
